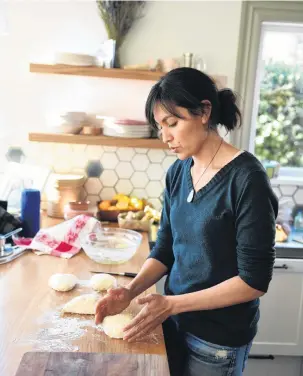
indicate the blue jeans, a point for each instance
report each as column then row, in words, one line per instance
column 189, row 355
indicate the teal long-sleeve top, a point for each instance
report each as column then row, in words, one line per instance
column 228, row 230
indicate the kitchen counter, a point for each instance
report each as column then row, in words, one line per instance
column 29, row 309
column 291, row 248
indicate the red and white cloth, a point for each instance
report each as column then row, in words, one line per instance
column 64, row 239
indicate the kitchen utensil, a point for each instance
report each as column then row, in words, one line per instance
column 12, row 253
column 111, row 245
column 3, row 251
column 88, row 364
column 126, row 274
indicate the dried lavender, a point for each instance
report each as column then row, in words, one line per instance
column 119, row 17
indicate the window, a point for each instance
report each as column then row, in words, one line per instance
column 269, row 81
column 277, row 120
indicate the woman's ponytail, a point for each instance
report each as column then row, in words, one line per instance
column 229, row 113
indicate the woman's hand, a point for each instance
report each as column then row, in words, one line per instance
column 114, row 302
column 156, row 310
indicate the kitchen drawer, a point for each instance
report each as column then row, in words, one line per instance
column 288, row 265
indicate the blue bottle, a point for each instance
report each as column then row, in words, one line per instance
column 30, row 212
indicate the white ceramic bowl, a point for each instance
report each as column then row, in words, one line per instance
column 111, row 245
column 67, row 129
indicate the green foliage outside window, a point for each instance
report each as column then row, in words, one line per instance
column 279, row 134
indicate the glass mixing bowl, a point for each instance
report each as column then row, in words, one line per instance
column 111, row 245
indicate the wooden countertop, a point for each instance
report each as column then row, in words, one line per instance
column 29, row 309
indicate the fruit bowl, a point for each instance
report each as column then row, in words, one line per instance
column 111, row 245
column 111, row 213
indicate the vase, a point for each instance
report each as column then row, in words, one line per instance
column 117, row 61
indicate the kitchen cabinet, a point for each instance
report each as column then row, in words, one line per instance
column 279, row 366
column 280, row 329
column 281, row 324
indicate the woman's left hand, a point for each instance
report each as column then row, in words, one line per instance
column 156, row 310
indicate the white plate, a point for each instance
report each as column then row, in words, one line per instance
column 126, row 135
column 124, row 129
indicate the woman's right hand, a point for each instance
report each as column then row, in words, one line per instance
column 114, row 302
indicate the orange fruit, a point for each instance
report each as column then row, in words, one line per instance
column 104, row 205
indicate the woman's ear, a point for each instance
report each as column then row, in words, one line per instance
column 206, row 111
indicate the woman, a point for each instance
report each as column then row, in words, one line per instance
column 216, row 236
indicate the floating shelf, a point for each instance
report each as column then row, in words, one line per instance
column 149, row 143
column 94, row 71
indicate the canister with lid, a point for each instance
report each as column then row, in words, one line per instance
column 63, row 189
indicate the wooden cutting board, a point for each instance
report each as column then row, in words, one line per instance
column 91, row 364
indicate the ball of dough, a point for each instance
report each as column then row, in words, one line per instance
column 62, row 282
column 113, row 325
column 84, row 304
column 101, row 282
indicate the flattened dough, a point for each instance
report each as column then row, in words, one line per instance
column 84, row 304
column 62, row 282
column 113, row 325
column 101, row 282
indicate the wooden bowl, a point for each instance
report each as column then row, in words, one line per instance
column 91, row 130
column 79, row 205
column 110, row 215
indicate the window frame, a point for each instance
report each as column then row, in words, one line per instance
column 253, row 15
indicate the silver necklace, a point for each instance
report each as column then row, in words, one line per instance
column 191, row 195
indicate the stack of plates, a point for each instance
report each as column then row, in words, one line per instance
column 126, row 128
column 74, row 59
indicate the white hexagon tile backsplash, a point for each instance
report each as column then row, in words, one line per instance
column 110, row 170
column 137, row 172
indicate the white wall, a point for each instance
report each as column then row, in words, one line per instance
column 170, row 28
column 37, row 29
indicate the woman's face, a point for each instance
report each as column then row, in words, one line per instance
column 184, row 137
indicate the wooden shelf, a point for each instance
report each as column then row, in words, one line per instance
column 149, row 143
column 94, row 71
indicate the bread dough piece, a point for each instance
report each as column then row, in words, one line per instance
column 101, row 282
column 84, row 304
column 113, row 325
column 62, row 282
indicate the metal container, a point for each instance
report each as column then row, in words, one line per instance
column 3, row 252
column 188, row 59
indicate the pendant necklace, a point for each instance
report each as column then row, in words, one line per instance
column 191, row 195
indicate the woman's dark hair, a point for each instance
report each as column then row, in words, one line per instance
column 187, row 87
